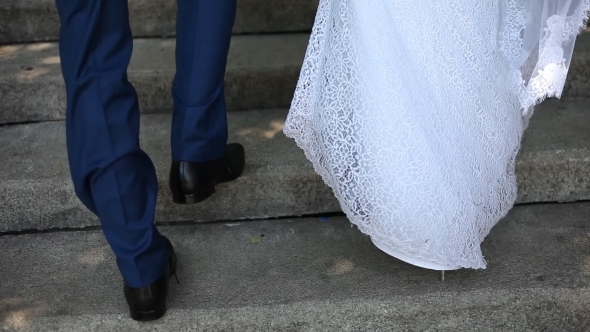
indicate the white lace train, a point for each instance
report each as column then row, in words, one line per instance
column 413, row 112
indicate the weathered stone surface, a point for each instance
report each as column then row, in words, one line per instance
column 37, row 20
column 578, row 79
column 309, row 275
column 262, row 72
column 36, row 192
column 555, row 157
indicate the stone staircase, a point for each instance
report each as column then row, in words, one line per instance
column 304, row 274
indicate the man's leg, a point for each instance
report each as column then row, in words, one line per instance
column 203, row 34
column 199, row 125
column 112, row 176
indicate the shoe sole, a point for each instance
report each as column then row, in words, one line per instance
column 186, row 199
column 148, row 316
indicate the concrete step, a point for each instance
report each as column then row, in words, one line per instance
column 309, row 275
column 37, row 20
column 36, row 192
column 262, row 73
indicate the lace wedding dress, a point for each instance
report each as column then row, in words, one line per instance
column 413, row 111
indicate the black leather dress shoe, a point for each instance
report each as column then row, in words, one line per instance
column 195, row 182
column 149, row 303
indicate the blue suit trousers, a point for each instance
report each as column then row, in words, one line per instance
column 112, row 175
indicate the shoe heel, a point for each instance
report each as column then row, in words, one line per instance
column 148, row 316
column 194, row 198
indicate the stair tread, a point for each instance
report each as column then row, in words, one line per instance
column 37, row 20
column 553, row 165
column 262, row 73
column 321, row 275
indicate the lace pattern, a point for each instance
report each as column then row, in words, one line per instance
column 541, row 68
column 412, row 112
